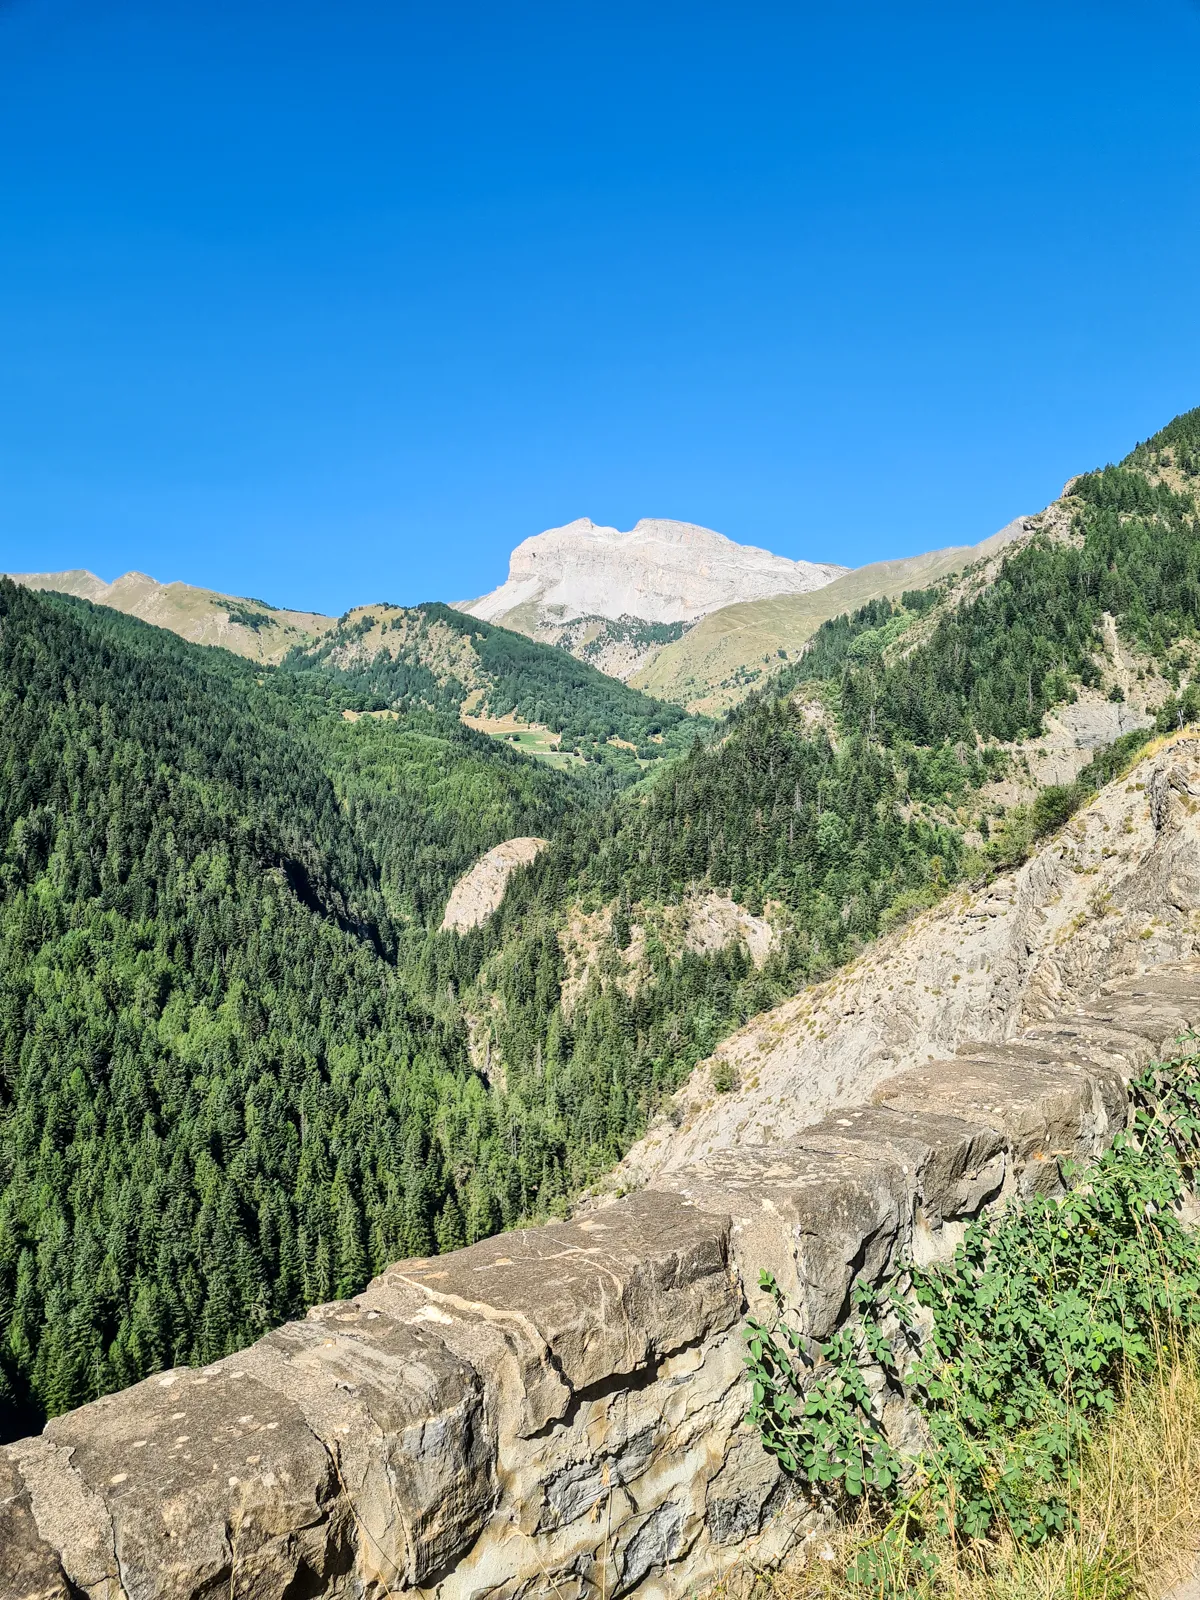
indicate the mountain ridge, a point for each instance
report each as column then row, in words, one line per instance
column 248, row 627
column 611, row 599
column 660, row 570
column 716, row 662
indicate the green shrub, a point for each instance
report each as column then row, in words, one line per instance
column 1036, row 1324
column 1054, row 806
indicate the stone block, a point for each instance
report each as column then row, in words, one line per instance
column 952, row 1166
column 568, row 1306
column 1161, row 1019
column 813, row 1220
column 1044, row 1115
column 744, row 1493
column 1125, row 1052
column 403, row 1421
column 189, row 1485
column 1058, row 1063
column 29, row 1568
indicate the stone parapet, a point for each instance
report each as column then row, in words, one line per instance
column 558, row 1411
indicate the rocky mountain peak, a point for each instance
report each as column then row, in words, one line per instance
column 659, row 570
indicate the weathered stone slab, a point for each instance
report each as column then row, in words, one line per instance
column 1055, row 1064
column 188, row 1485
column 813, row 1220
column 953, row 1166
column 1161, row 1020
column 573, row 1304
column 1044, row 1116
column 29, row 1568
column 1124, row 1052
column 1076, row 1057
column 402, row 1419
column 1178, row 982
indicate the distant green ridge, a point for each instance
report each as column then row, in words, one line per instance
column 394, row 657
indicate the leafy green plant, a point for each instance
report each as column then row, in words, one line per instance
column 821, row 1416
column 1034, row 1327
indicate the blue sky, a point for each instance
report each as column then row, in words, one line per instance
column 334, row 303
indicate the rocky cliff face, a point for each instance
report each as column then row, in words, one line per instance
column 659, row 571
column 480, row 890
column 1117, row 891
column 559, row 1410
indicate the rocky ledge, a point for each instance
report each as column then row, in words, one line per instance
column 559, row 1410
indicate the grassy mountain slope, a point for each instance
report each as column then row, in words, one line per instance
column 724, row 655
column 430, row 656
column 250, row 628
column 396, row 657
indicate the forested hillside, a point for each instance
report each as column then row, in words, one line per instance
column 240, row 1068
column 431, row 656
column 220, row 1098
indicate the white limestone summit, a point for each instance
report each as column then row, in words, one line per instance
column 659, row 570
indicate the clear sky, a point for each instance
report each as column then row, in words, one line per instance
column 335, row 302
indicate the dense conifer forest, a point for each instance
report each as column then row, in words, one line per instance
column 219, row 1099
column 513, row 675
column 240, row 1067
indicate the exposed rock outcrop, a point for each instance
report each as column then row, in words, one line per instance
column 703, row 921
column 659, row 571
column 481, row 888
column 559, row 1410
column 1116, row 892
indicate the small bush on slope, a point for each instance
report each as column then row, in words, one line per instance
column 1044, row 1323
column 1134, row 1532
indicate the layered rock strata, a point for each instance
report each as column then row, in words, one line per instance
column 559, row 1410
column 1115, row 892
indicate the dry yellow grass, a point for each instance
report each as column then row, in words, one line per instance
column 708, row 670
column 201, row 616
column 1137, row 1506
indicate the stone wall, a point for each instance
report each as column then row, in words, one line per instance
column 559, row 1411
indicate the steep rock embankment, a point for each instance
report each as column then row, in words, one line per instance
column 1118, row 890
